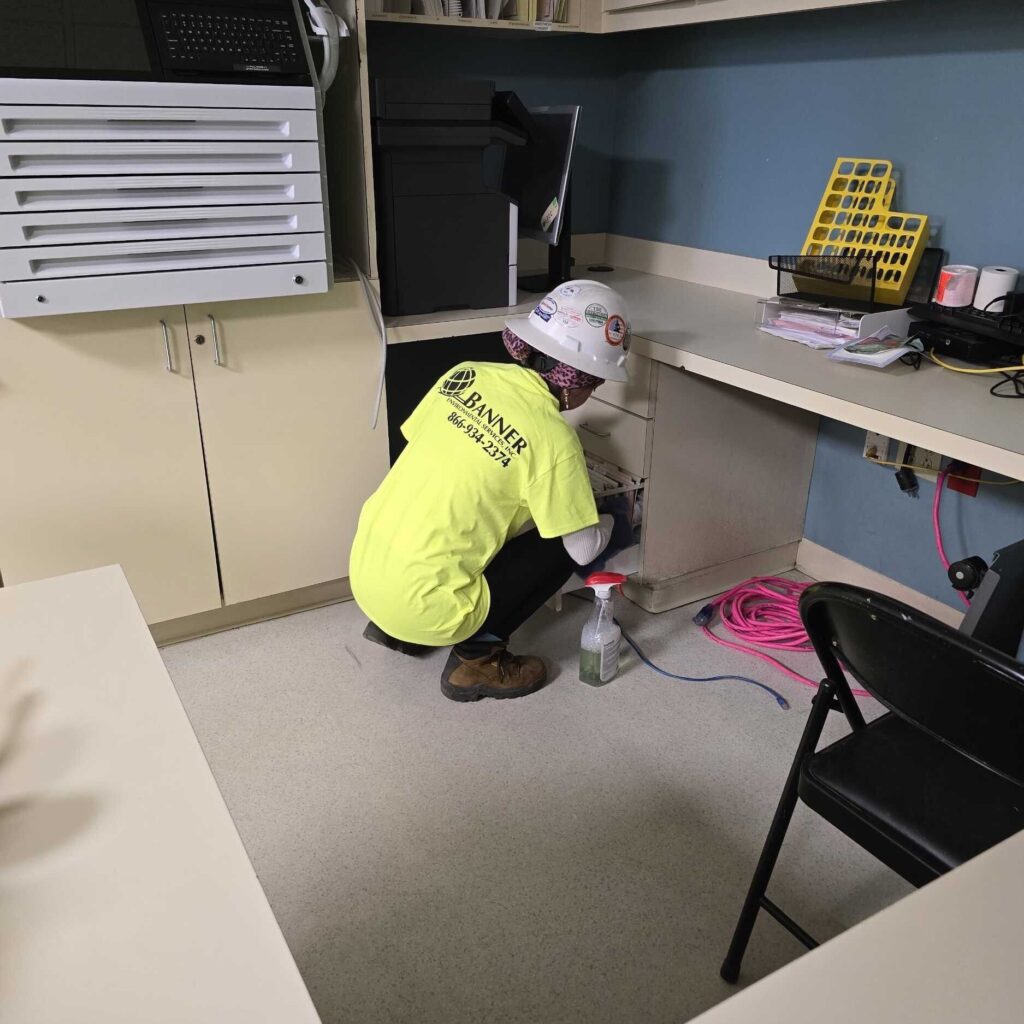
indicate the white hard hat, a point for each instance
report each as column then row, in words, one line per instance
column 583, row 324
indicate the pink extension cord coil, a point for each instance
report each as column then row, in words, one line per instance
column 764, row 611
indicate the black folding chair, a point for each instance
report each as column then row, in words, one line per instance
column 925, row 787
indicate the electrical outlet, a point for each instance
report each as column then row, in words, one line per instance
column 920, row 459
column 887, row 450
column 877, row 447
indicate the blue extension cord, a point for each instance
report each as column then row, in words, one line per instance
column 779, row 699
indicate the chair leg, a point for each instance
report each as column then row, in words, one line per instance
column 820, row 707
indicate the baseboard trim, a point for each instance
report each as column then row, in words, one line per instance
column 821, row 563
column 664, row 595
column 699, row 266
column 245, row 613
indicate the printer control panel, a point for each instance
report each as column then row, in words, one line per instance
column 236, row 40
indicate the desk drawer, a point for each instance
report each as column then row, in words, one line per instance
column 637, row 394
column 143, row 257
column 21, row 195
column 613, row 435
column 28, row 123
column 171, row 288
column 82, row 226
column 45, row 159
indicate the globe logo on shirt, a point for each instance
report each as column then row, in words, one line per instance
column 459, row 381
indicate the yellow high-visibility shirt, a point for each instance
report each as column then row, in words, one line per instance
column 488, row 451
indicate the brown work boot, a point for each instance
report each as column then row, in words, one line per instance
column 497, row 674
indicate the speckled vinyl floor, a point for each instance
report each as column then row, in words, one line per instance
column 579, row 855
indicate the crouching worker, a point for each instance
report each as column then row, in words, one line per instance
column 489, row 508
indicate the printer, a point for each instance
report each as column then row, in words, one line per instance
column 447, row 235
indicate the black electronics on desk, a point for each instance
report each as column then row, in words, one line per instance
column 461, row 173
column 537, row 177
column 447, row 235
column 972, row 335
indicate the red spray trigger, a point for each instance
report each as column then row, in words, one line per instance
column 598, row 579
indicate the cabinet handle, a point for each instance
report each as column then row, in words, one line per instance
column 597, row 433
column 218, row 359
column 168, row 363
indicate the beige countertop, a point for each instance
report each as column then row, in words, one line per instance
column 950, row 953
column 711, row 332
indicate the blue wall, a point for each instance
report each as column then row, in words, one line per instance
column 727, row 132
column 722, row 136
column 857, row 509
column 725, row 137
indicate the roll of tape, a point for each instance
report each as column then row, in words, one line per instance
column 993, row 284
column 956, row 285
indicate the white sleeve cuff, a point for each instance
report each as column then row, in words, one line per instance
column 586, row 544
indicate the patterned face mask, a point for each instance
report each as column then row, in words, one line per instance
column 560, row 375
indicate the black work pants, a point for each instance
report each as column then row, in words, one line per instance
column 521, row 577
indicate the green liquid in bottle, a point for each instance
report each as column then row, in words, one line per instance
column 590, row 667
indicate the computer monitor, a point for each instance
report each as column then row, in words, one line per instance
column 537, row 177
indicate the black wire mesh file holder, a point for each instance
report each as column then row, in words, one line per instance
column 847, row 281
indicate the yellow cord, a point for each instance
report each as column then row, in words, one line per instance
column 950, row 476
column 960, row 369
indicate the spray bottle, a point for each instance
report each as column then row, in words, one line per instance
column 601, row 639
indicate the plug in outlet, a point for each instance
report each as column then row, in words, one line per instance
column 885, row 450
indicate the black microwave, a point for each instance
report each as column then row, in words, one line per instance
column 248, row 41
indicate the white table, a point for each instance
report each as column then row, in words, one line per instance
column 950, row 953
column 126, row 896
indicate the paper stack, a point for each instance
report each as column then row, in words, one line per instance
column 816, row 328
column 880, row 349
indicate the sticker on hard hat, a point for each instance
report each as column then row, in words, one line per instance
column 596, row 314
column 616, row 330
column 568, row 290
column 547, row 308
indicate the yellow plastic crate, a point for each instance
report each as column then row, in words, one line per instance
column 855, row 218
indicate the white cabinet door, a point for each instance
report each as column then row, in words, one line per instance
column 101, row 460
column 285, row 413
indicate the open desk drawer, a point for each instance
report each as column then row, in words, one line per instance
column 613, row 436
column 614, row 485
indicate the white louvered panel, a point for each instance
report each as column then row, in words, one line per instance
column 109, row 193
column 92, row 294
column 82, row 226
column 28, row 123
column 158, row 94
column 61, row 261
column 121, row 195
column 40, row 159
